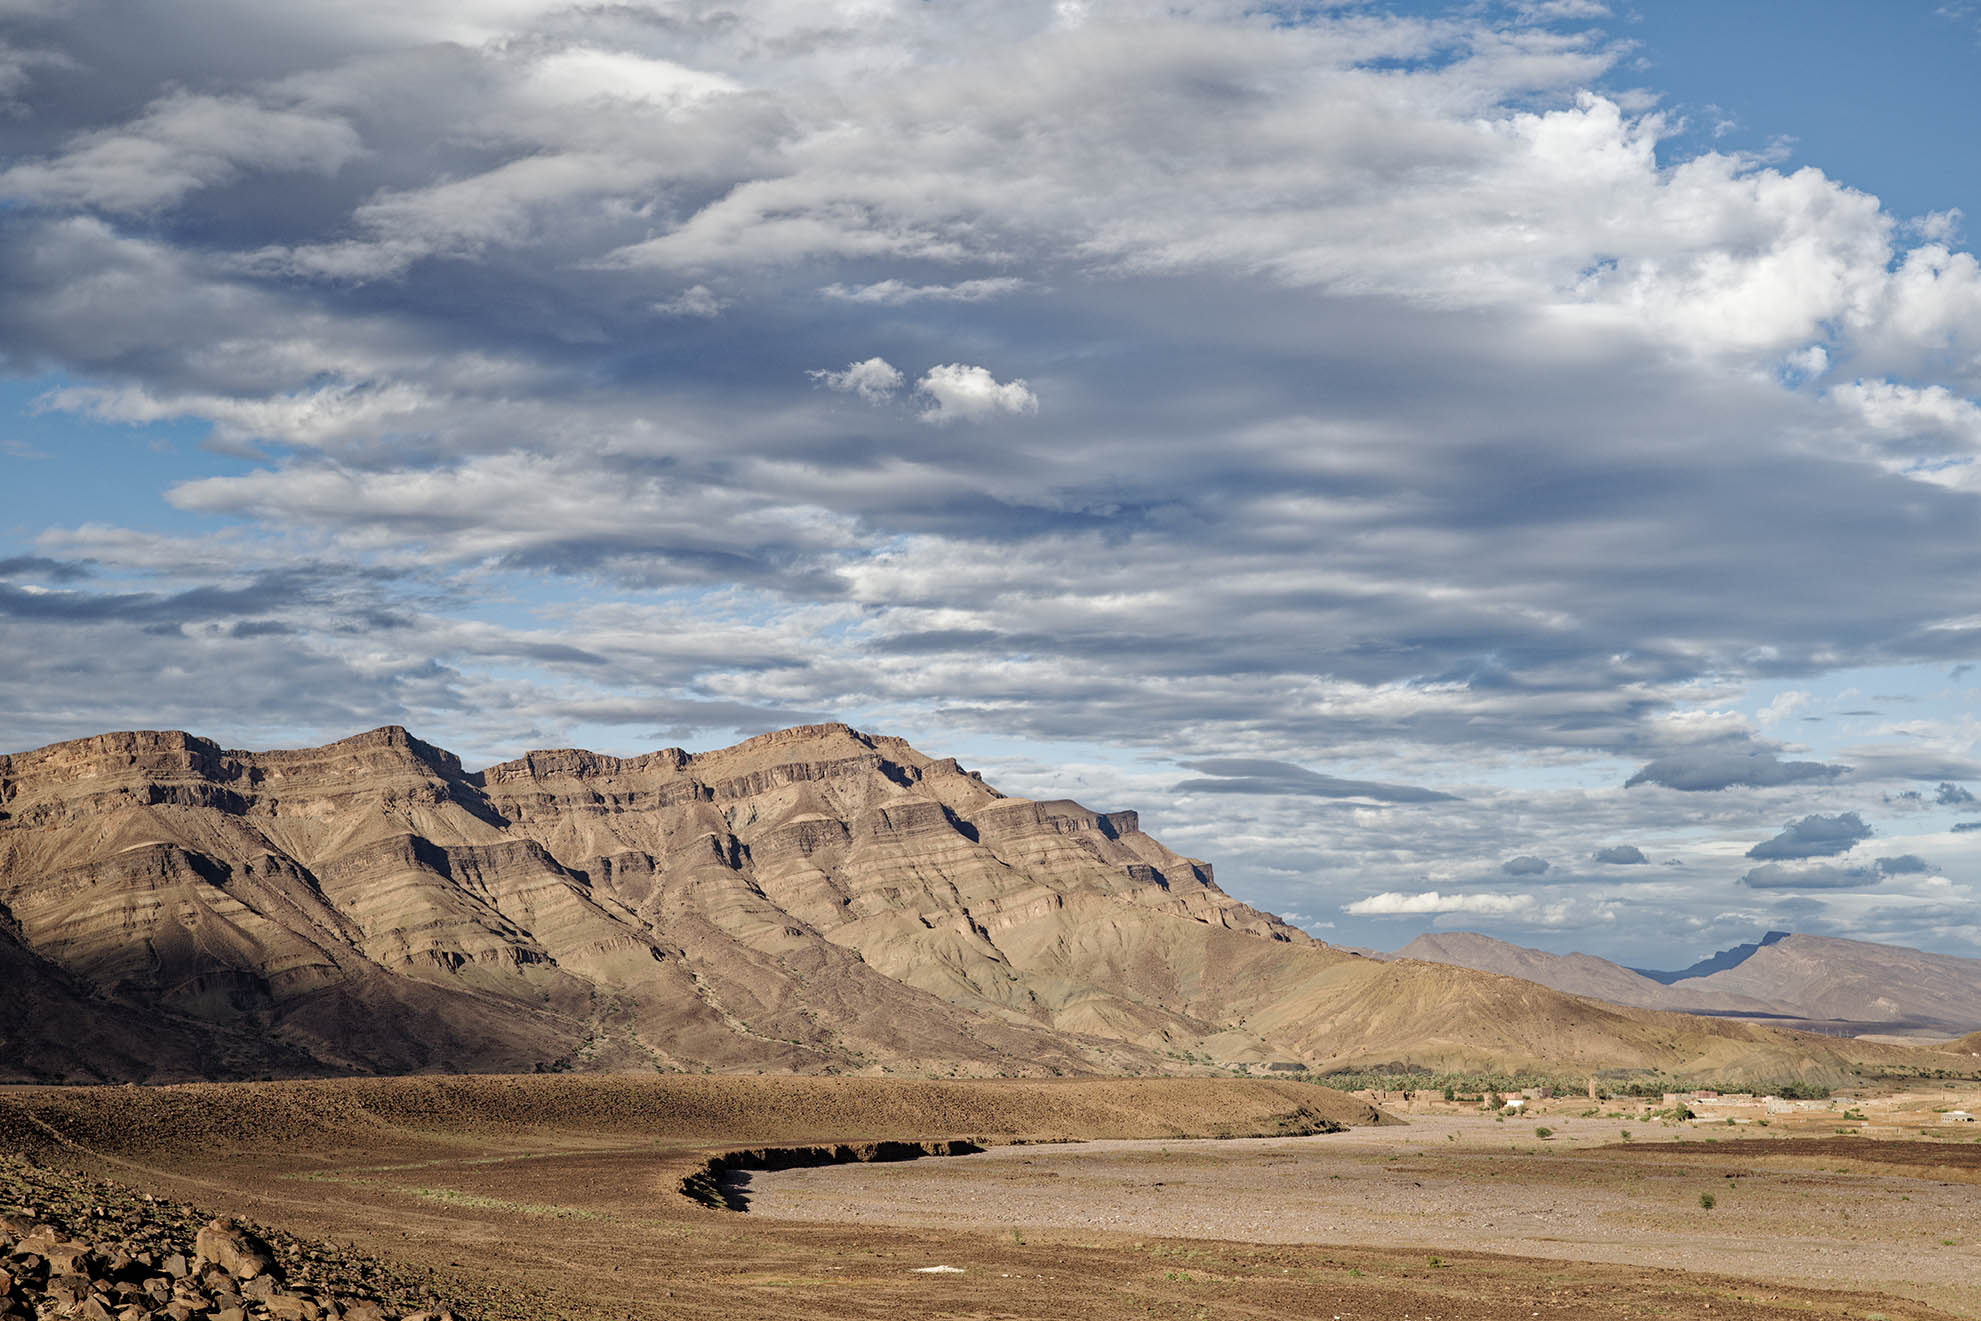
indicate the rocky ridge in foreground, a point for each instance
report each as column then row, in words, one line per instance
column 76, row 1247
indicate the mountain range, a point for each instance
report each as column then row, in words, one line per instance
column 1819, row 982
column 813, row 900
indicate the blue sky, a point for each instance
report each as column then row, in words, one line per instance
column 1391, row 446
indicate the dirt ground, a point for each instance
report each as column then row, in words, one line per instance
column 538, row 1199
column 1853, row 1213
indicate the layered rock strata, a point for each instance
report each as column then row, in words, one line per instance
column 813, row 900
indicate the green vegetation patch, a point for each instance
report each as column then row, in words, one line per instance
column 1472, row 1086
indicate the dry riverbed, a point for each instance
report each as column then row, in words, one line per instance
column 1791, row 1211
column 559, row 1199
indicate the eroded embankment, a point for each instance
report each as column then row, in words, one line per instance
column 707, row 1184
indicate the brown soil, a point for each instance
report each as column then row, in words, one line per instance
column 1947, row 1158
column 558, row 1197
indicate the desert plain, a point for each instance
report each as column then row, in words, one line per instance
column 608, row 1196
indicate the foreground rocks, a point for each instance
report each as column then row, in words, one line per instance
column 83, row 1248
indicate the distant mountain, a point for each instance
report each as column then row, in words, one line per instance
column 1820, row 977
column 1577, row 974
column 1720, row 962
column 1812, row 979
column 813, row 900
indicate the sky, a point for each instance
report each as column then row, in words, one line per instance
column 1507, row 466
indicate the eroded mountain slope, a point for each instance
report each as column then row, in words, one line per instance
column 812, row 900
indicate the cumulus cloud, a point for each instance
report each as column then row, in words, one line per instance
column 874, row 380
column 1255, row 775
column 1952, row 795
column 971, row 394
column 1620, row 855
column 1905, row 864
column 1812, row 876
column 1814, row 837
column 1709, row 770
column 1524, row 865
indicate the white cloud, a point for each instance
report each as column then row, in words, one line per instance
column 874, row 379
column 1785, row 706
column 695, row 301
column 460, row 218
column 1938, row 226
column 182, row 143
column 314, row 418
column 894, row 293
column 18, row 66
column 1394, row 903
column 972, row 394
column 1927, row 420
column 1549, row 10
column 584, row 74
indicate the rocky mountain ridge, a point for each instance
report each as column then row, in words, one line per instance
column 1719, row 961
column 813, row 900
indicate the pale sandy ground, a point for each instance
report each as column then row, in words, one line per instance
column 1450, row 1184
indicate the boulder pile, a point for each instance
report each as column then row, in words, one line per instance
column 76, row 1248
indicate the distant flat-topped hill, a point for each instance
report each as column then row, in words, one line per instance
column 1856, row 984
column 813, row 900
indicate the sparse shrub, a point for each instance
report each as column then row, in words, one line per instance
column 1544, row 1132
column 1626, row 1135
column 1707, row 1201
